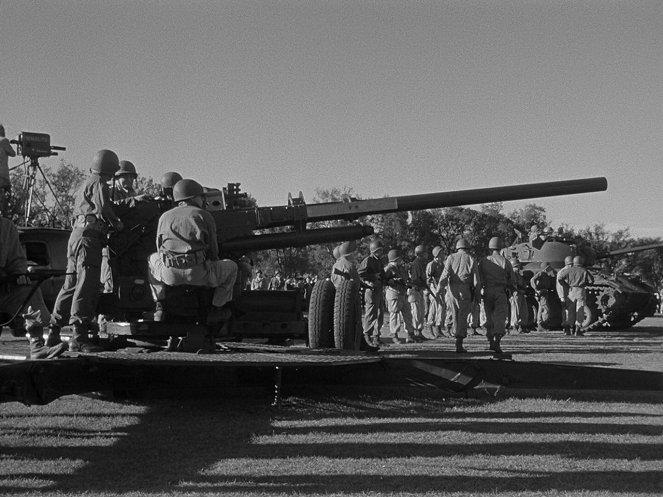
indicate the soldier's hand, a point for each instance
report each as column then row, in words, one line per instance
column 22, row 280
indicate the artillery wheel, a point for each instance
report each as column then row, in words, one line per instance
column 321, row 315
column 347, row 316
column 590, row 317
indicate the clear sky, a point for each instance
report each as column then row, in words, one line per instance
column 388, row 97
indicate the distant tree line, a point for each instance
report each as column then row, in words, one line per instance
column 398, row 230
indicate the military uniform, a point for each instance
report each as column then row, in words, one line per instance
column 562, row 293
column 461, row 276
column 188, row 254
column 343, row 269
column 400, row 315
column 437, row 308
column 543, row 283
column 496, row 277
column 518, row 301
column 576, row 279
column 14, row 297
column 371, row 273
column 93, row 212
column 415, row 295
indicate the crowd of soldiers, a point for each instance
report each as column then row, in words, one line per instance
column 424, row 297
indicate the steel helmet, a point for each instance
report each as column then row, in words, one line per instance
column 376, row 245
column 105, row 162
column 419, row 250
column 347, row 248
column 545, row 265
column 170, row 179
column 126, row 167
column 568, row 260
column 394, row 255
column 461, row 244
column 436, row 251
column 495, row 243
column 336, row 252
column 186, row 189
column 577, row 260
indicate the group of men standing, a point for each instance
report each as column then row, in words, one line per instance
column 454, row 287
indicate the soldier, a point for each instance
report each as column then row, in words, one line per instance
column 519, row 311
column 562, row 292
column 188, row 252
column 415, row 293
column 497, row 279
column 437, row 308
column 277, row 282
column 397, row 281
column 6, row 151
column 462, row 279
column 168, row 182
column 123, row 182
column 259, row 282
column 15, row 290
column 371, row 273
column 93, row 215
column 345, row 267
column 575, row 280
column 543, row 284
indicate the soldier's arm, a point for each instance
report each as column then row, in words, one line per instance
column 101, row 198
column 8, row 148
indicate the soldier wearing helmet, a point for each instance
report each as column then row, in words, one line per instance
column 518, row 301
column 371, row 273
column 497, row 279
column 544, row 283
column 574, row 281
column 397, row 281
column 277, row 282
column 188, row 252
column 6, row 151
column 437, row 308
column 345, row 267
column 461, row 278
column 416, row 292
column 76, row 304
column 124, row 181
column 562, row 293
column 167, row 183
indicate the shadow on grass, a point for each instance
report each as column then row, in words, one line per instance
column 192, row 445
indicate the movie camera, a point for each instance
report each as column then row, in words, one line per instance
column 35, row 145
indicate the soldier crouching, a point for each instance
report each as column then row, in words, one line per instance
column 188, row 252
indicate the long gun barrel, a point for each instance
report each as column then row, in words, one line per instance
column 236, row 224
column 629, row 250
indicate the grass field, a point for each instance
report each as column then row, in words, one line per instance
column 378, row 442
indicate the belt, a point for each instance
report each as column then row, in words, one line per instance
column 183, row 261
column 90, row 221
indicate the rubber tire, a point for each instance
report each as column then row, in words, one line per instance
column 347, row 316
column 321, row 315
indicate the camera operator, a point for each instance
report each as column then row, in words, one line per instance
column 6, row 151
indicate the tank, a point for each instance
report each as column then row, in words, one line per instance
column 614, row 302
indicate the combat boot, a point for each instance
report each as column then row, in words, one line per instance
column 80, row 342
column 367, row 344
column 459, row 346
column 53, row 338
column 38, row 349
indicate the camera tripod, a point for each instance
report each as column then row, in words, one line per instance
column 29, row 184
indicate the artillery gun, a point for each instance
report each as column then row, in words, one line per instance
column 615, row 301
column 333, row 316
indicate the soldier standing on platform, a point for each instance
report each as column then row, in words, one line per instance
column 497, row 279
column 562, row 292
column 462, row 279
column 437, row 308
column 371, row 273
column 93, row 215
column 415, row 293
column 543, row 284
column 396, row 278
